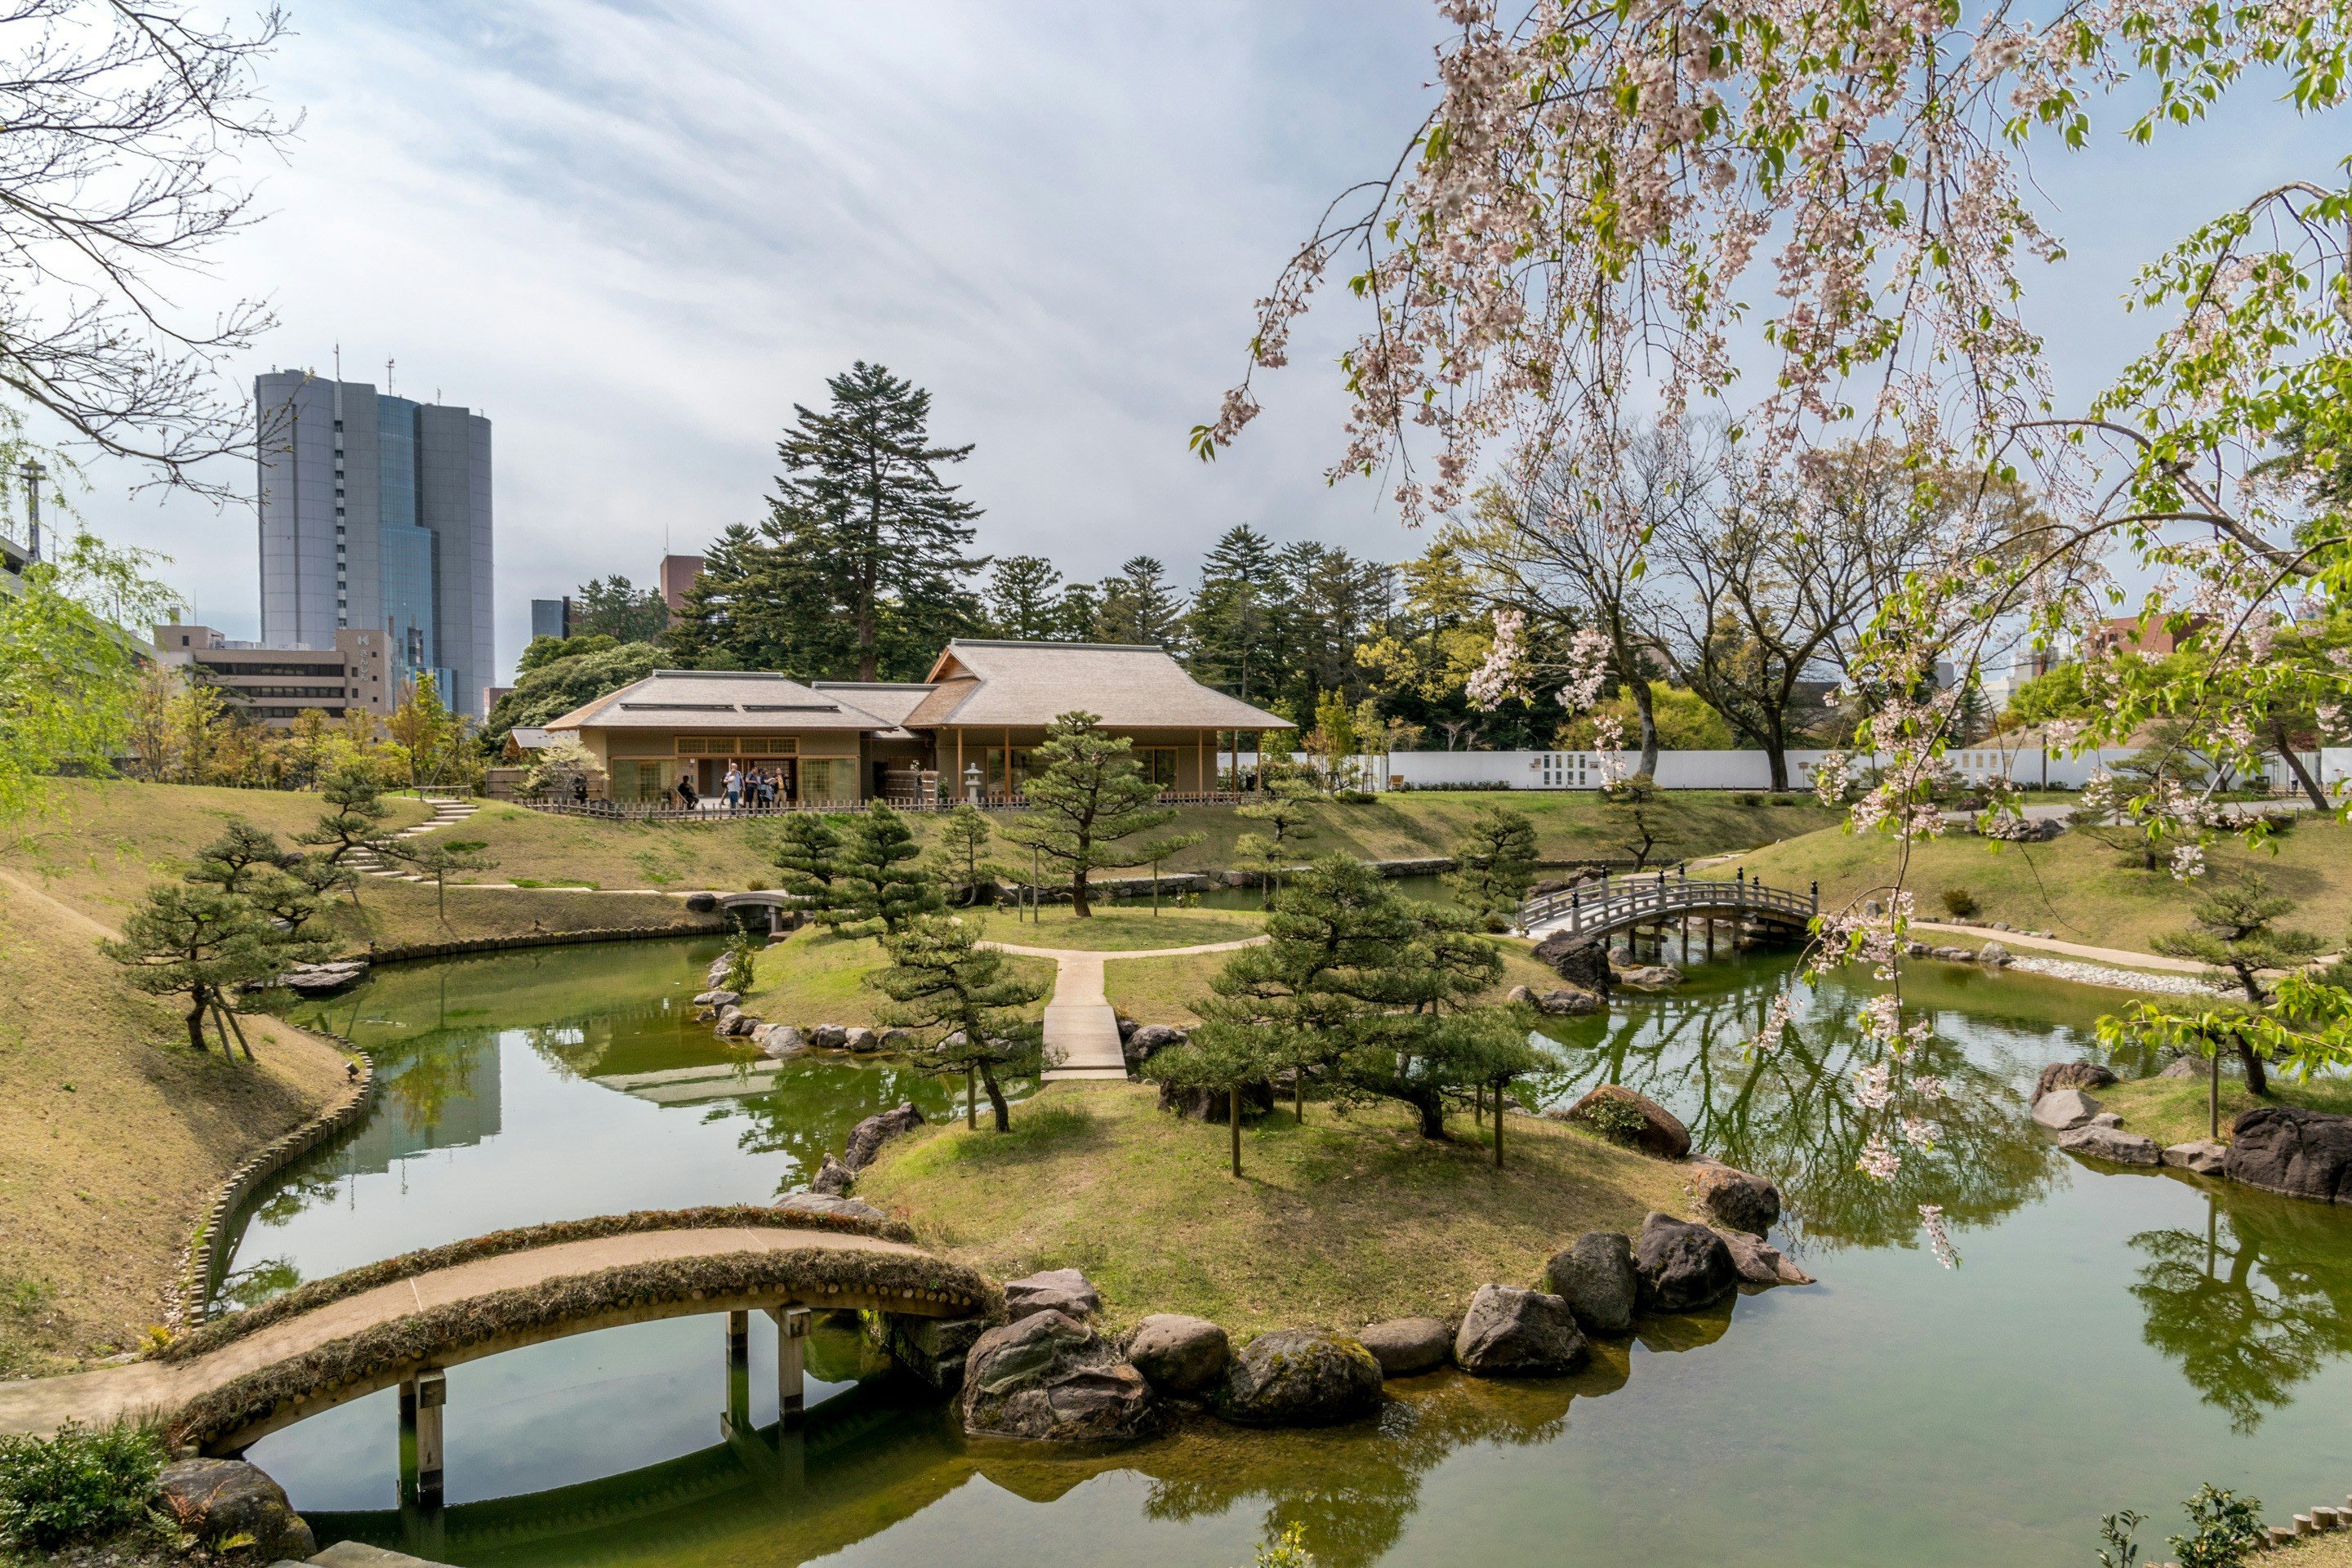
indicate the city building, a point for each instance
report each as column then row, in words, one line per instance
column 375, row 515
column 970, row 731
column 271, row 685
column 677, row 575
column 551, row 617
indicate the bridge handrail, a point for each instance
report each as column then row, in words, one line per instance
column 1605, row 904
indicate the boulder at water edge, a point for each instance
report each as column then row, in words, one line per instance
column 1594, row 1275
column 1580, row 961
column 1511, row 1332
column 1566, row 1002
column 813, row 1201
column 2187, row 1066
column 1048, row 1379
column 2285, row 1149
column 1299, row 1377
column 2200, row 1158
column 861, row 1039
column 215, row 1498
column 865, row 1139
column 1180, row 1354
column 1734, row 1198
column 934, row 1349
column 1681, row 1265
column 2063, row 1109
column 829, row 1036
column 832, row 1178
column 1064, row 1290
column 1994, row 955
column 1406, row 1347
column 1759, row 1262
column 779, row 1040
column 1650, row 976
column 2112, row 1144
column 717, row 998
column 1660, row 1132
column 2070, row 1075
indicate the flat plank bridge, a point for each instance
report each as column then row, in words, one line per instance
column 1595, row 911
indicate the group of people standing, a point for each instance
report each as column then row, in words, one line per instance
column 760, row 789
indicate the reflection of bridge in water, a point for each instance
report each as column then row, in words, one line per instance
column 1597, row 911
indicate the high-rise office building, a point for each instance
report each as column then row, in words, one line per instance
column 551, row 617
column 375, row 513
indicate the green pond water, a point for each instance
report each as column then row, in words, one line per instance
column 2111, row 1340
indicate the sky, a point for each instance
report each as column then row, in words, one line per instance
column 636, row 234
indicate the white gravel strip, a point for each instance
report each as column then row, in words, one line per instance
column 2125, row 979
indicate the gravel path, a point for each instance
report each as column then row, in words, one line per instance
column 2122, row 979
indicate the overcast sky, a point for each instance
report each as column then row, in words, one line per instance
column 636, row 234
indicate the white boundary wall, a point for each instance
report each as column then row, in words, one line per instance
column 1751, row 771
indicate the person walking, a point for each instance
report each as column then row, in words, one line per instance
column 734, row 785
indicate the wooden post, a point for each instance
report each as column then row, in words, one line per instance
column 739, row 1370
column 1498, row 1126
column 2213, row 1097
column 792, row 1343
column 1234, row 1113
column 971, row 1097
column 423, row 1399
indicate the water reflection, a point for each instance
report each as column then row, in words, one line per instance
column 2253, row 1306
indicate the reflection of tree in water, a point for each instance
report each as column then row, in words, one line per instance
column 425, row 1075
column 814, row 1103
column 2252, row 1307
column 1793, row 1116
column 294, row 1194
column 251, row 1287
column 1354, row 1488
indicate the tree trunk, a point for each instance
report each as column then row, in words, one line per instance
column 1645, row 708
column 1433, row 1115
column 2318, row 797
column 2258, row 1083
column 2213, row 1098
column 1498, row 1127
column 1079, row 908
column 1233, row 1118
column 971, row 1100
column 995, row 1099
column 1775, row 753
column 196, row 1026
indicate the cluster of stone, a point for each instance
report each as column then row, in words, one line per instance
column 2281, row 1148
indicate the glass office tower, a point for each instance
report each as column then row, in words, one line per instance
column 376, row 513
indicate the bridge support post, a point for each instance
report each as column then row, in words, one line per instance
column 792, row 1343
column 739, row 1368
column 423, row 1399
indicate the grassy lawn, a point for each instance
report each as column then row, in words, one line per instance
column 1345, row 1221
column 115, row 1135
column 2072, row 886
column 1161, row 990
column 2333, row 1550
column 531, row 846
column 816, row 977
column 2173, row 1109
column 1121, row 929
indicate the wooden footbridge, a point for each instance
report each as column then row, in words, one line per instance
column 236, row 1388
column 1597, row 911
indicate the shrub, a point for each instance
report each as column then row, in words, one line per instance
column 740, row 950
column 1615, row 1120
column 80, row 1483
column 1353, row 796
column 1751, row 800
column 2227, row 1528
column 1784, row 800
column 1959, row 903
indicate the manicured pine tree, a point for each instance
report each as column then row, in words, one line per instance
column 878, row 884
column 435, row 858
column 964, row 836
column 1497, row 854
column 200, row 942
column 1286, row 806
column 2236, row 929
column 354, row 819
column 232, row 861
column 941, row 978
column 1088, row 793
column 807, row 851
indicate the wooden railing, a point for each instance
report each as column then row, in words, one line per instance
column 714, row 807
column 1612, row 903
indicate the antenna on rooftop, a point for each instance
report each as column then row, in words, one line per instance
column 339, row 361
column 387, row 378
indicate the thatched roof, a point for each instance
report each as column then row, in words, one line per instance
column 1026, row 684
column 739, row 701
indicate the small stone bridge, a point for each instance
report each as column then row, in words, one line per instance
column 405, row 1332
column 1595, row 911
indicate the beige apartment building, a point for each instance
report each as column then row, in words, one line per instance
column 271, row 685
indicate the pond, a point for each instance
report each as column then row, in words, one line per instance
column 2110, row 1340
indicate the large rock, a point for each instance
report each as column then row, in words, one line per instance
column 832, row 1178
column 813, row 1201
column 1050, row 1380
column 1681, row 1265
column 1063, row 1291
column 2285, row 1149
column 1659, row 1133
column 1650, row 976
column 2186, row 1066
column 2200, row 1158
column 779, row 1040
column 865, row 1139
column 861, row 1039
column 1299, row 1377
column 1567, row 1002
column 2070, row 1075
column 212, row 1499
column 1995, row 955
column 735, row 1023
column 828, row 1037
column 1580, row 961
column 1180, row 1354
column 1759, row 1262
column 716, row 999
column 1148, row 1041
column 1211, row 1104
column 1734, row 1199
column 934, row 1349
column 1594, row 1275
column 2112, row 1144
column 1511, row 1332
column 1407, row 1346
column 2061, row 1109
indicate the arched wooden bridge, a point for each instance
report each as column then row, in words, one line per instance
column 391, row 1334
column 1597, row 911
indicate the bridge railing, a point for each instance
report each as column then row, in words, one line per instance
column 1612, row 902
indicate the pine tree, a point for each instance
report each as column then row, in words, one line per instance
column 1497, row 854
column 807, row 851
column 941, row 978
column 229, row 861
column 2237, row 930
column 616, row 608
column 862, row 509
column 355, row 818
column 1232, row 614
column 1085, row 793
column 1140, row 605
column 436, row 859
column 1023, row 601
column 964, row 836
column 201, row 941
column 878, row 887
column 1078, row 612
